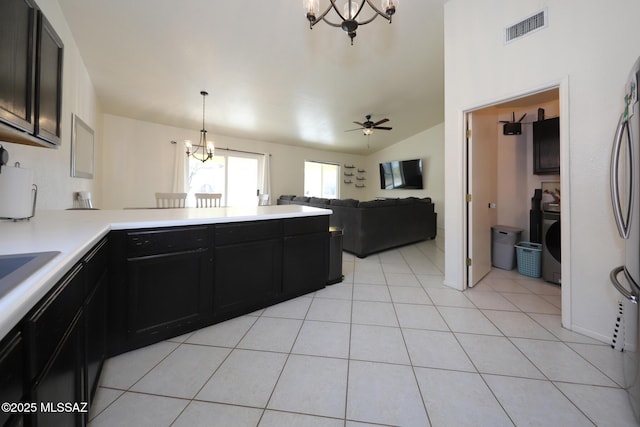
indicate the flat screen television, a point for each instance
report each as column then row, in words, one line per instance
column 401, row 174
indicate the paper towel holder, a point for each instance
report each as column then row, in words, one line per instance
column 34, row 191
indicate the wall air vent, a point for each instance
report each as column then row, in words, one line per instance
column 526, row 26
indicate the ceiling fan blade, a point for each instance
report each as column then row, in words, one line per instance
column 504, row 121
column 351, row 130
column 381, row 122
column 382, row 127
column 360, row 124
column 522, row 117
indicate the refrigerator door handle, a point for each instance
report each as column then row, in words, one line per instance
column 621, row 222
column 613, row 276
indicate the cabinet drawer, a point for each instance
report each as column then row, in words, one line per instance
column 47, row 324
column 314, row 224
column 166, row 240
column 247, row 231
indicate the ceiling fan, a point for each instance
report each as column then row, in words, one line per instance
column 512, row 127
column 368, row 126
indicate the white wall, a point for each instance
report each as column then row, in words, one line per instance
column 52, row 166
column 138, row 160
column 428, row 146
column 589, row 58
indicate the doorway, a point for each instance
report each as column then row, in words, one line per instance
column 500, row 174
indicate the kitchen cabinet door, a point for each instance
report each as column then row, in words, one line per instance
column 305, row 263
column 546, row 147
column 48, row 87
column 17, row 43
column 12, row 374
column 61, row 381
column 167, row 294
column 247, row 276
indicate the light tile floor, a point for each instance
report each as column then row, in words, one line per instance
column 388, row 346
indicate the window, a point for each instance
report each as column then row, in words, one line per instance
column 236, row 176
column 321, row 180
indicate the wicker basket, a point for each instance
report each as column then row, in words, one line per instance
column 528, row 255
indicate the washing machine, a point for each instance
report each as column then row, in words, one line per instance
column 551, row 271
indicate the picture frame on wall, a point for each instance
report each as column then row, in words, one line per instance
column 81, row 148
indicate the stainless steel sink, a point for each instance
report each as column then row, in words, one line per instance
column 15, row 268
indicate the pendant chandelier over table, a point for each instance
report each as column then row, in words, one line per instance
column 203, row 151
column 349, row 16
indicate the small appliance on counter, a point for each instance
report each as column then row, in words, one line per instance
column 18, row 193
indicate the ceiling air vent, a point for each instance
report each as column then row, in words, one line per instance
column 527, row 26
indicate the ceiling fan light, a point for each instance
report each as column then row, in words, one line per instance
column 367, row 131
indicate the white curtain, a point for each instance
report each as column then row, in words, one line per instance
column 179, row 169
column 266, row 177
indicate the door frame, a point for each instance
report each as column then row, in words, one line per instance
column 562, row 85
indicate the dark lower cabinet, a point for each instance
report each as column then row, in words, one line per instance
column 62, row 381
column 160, row 284
column 12, row 375
column 95, row 336
column 247, row 276
column 52, row 359
column 95, row 316
column 305, row 266
column 306, row 255
column 167, row 293
column 172, row 280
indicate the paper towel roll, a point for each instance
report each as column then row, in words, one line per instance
column 16, row 195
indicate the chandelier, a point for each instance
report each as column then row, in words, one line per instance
column 350, row 14
column 204, row 150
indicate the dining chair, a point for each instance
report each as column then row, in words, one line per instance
column 171, row 200
column 208, row 200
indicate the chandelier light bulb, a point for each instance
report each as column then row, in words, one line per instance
column 389, row 6
column 312, row 8
column 350, row 9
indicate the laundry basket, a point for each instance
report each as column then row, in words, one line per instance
column 528, row 255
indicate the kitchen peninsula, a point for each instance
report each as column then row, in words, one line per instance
column 124, row 279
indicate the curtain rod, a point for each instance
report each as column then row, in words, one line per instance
column 230, row 149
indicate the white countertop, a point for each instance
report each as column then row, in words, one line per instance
column 74, row 232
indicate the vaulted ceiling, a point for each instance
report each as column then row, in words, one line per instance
column 269, row 76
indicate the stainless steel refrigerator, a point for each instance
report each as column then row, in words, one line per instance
column 625, row 196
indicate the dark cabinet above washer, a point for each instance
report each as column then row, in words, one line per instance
column 546, row 147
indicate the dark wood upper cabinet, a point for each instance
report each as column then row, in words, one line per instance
column 48, row 97
column 31, row 57
column 17, row 47
column 546, row 147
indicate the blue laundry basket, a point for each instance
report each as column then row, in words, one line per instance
column 529, row 255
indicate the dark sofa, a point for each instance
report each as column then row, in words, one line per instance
column 376, row 225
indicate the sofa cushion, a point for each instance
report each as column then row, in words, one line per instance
column 300, row 199
column 407, row 201
column 345, row 202
column 287, row 196
column 377, row 203
column 319, row 201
